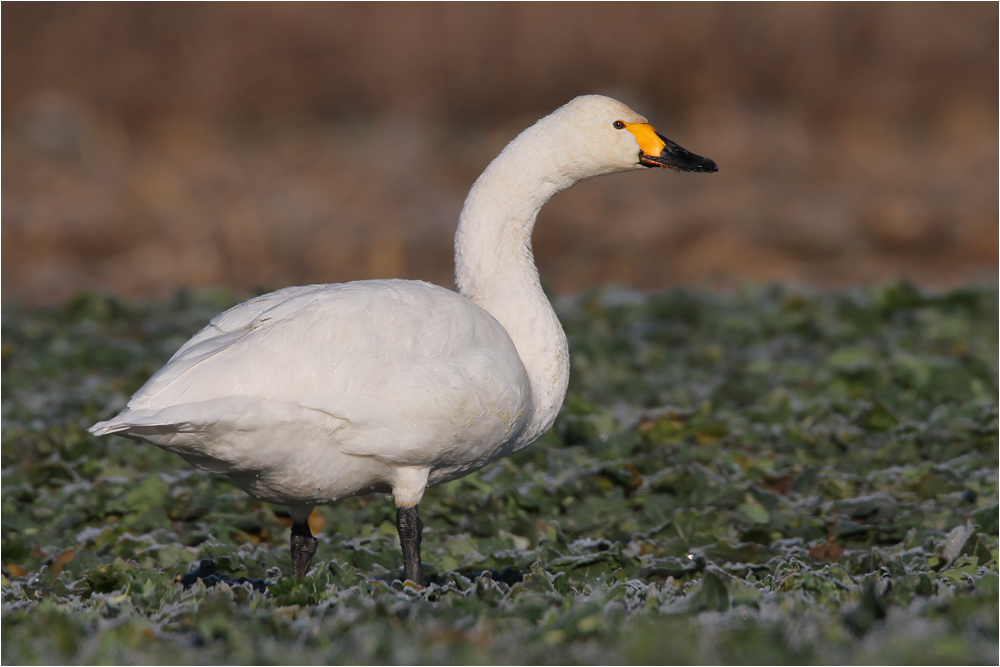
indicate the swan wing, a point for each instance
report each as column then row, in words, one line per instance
column 404, row 371
column 226, row 329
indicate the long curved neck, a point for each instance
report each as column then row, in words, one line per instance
column 495, row 268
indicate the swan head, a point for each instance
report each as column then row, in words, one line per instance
column 597, row 135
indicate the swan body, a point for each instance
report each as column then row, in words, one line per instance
column 289, row 393
column 316, row 393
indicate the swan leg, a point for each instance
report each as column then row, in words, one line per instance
column 410, row 527
column 303, row 542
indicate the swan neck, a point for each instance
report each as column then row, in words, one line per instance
column 493, row 242
column 495, row 268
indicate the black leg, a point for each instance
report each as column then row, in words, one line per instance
column 303, row 547
column 410, row 527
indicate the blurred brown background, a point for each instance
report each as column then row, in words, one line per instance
column 153, row 146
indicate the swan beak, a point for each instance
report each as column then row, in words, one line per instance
column 656, row 150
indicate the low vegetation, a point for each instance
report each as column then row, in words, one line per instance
column 767, row 476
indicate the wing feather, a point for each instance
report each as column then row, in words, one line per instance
column 410, row 373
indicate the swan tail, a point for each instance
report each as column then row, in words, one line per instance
column 123, row 423
column 106, row 428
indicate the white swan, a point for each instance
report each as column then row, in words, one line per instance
column 316, row 393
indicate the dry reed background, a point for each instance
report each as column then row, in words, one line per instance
column 149, row 147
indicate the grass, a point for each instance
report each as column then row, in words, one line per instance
column 768, row 476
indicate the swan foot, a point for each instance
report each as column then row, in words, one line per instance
column 303, row 547
column 410, row 527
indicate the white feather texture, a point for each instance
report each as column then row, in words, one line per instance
column 316, row 393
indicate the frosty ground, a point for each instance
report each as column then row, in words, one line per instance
column 769, row 475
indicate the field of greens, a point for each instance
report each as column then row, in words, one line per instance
column 766, row 476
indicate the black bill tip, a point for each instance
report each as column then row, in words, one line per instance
column 680, row 159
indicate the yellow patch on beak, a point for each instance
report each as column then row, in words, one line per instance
column 650, row 143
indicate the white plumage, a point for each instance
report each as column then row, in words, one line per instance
column 316, row 393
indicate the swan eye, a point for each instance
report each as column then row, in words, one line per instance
column 619, row 125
